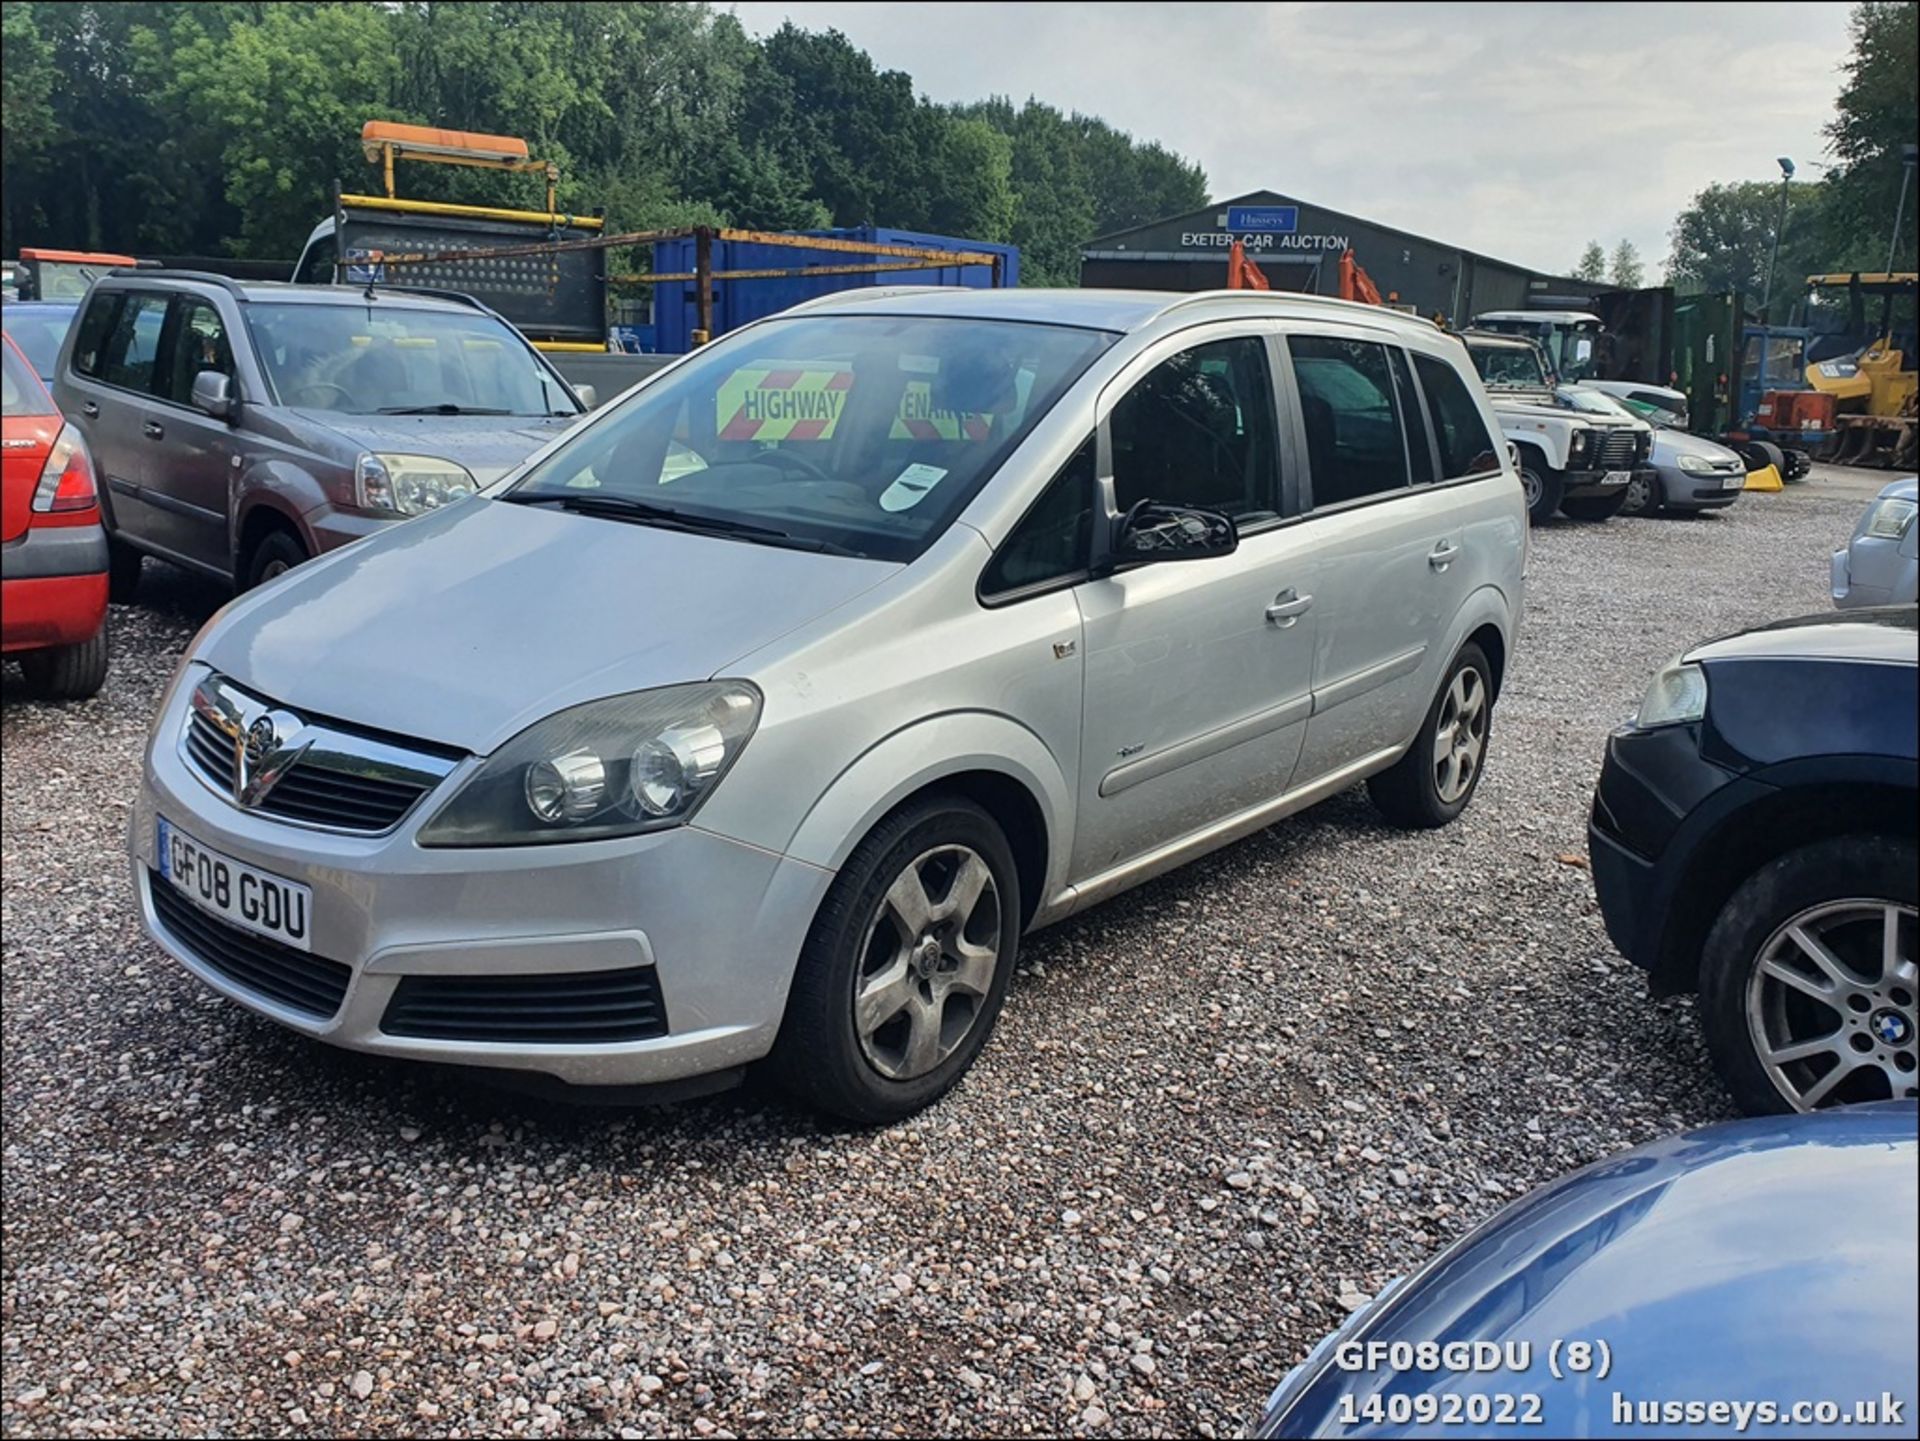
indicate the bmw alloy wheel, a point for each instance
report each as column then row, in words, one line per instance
column 1460, row 736
column 1831, row 1004
column 929, row 962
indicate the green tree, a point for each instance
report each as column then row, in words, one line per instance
column 1723, row 239
column 1625, row 269
column 1878, row 114
column 1593, row 263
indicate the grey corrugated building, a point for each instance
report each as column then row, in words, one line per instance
column 1297, row 247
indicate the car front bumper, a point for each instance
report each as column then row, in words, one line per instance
column 721, row 924
column 1580, row 483
column 1705, row 490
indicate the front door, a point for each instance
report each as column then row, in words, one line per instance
column 191, row 477
column 1198, row 672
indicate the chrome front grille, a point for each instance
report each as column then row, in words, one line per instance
column 262, row 758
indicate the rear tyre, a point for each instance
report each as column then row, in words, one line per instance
column 1595, row 507
column 1807, row 980
column 273, row 558
column 123, row 571
column 1434, row 780
column 1643, row 495
column 906, row 967
column 1759, row 454
column 1543, row 487
column 68, row 672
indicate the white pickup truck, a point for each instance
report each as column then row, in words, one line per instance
column 1575, row 463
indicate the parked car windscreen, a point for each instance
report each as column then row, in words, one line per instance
column 38, row 328
column 1594, row 402
column 862, row 433
column 1508, row 366
column 385, row 359
column 21, row 392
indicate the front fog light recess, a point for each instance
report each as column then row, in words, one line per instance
column 410, row 484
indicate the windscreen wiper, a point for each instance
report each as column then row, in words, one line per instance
column 645, row 512
column 445, row 407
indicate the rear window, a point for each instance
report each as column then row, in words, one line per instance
column 38, row 331
column 20, row 389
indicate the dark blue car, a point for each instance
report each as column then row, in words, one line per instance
column 1759, row 1276
column 1756, row 839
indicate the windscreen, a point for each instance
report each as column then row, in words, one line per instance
column 1593, row 402
column 1508, row 366
column 381, row 359
column 20, row 389
column 864, row 433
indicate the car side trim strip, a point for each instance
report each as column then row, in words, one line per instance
column 1208, row 743
column 1372, row 678
column 1177, row 853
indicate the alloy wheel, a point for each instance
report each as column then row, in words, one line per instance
column 273, row 570
column 1831, row 1004
column 928, row 963
column 1639, row 499
column 1532, row 486
column 1460, row 736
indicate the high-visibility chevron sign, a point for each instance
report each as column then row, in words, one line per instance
column 804, row 403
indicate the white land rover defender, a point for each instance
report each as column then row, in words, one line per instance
column 1570, row 461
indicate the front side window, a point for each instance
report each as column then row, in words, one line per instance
column 134, row 343
column 1198, row 429
column 1465, row 446
column 1351, row 414
column 378, row 358
column 862, row 433
column 1054, row 540
column 199, row 343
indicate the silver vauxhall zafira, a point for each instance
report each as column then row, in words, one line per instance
column 757, row 718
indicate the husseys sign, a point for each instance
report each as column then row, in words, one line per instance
column 1261, row 227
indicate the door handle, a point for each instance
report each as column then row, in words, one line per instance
column 152, row 429
column 1288, row 607
column 1441, row 556
column 90, row 409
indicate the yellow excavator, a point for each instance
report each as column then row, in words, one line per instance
column 1871, row 387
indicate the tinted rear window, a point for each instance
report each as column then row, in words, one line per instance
column 20, row 390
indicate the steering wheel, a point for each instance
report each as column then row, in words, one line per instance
column 796, row 461
column 312, row 385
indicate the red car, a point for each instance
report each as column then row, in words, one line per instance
column 53, row 563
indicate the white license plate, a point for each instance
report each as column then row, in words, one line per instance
column 255, row 900
column 1616, row 477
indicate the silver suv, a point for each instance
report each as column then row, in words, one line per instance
column 242, row 427
column 758, row 718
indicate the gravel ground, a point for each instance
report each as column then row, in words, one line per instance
column 1216, row 1110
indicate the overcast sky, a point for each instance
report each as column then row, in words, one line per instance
column 1519, row 131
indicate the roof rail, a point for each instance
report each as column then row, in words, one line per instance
column 1200, row 297
column 151, row 272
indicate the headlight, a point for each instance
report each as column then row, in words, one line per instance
column 410, row 484
column 614, row 767
column 1577, row 444
column 1890, row 518
column 1677, row 696
column 1696, row 465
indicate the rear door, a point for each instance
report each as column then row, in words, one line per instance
column 1384, row 543
column 108, row 391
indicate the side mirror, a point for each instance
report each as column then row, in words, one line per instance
column 1152, row 531
column 587, row 395
column 213, row 393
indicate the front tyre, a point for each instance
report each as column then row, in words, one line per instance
column 1643, row 494
column 1808, row 984
column 904, row 972
column 1543, row 487
column 277, row 554
column 1434, row 780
